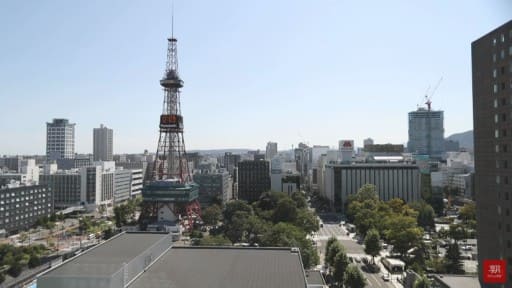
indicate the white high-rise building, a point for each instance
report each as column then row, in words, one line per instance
column 103, row 141
column 271, row 150
column 60, row 139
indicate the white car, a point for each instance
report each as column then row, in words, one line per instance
column 386, row 277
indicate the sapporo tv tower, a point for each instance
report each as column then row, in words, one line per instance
column 170, row 197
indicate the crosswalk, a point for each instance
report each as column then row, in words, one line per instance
column 329, row 230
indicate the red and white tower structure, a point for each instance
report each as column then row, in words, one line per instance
column 170, row 195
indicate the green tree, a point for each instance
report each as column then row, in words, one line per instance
column 211, row 215
column 255, row 229
column 366, row 192
column 426, row 215
column 236, row 206
column 269, row 200
column 366, row 219
column 353, row 278
column 331, row 252
column 468, row 212
column 457, row 232
column 288, row 235
column 237, row 226
column 372, row 245
column 285, row 211
column 422, row 282
column 340, row 265
column 307, row 221
column 34, row 261
column 453, row 263
column 328, row 245
column 403, row 233
column 15, row 269
column 299, row 199
column 119, row 216
column 437, row 204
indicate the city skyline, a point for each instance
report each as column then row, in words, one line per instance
column 98, row 62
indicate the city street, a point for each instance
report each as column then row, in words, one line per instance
column 353, row 249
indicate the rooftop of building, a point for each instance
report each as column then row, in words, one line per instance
column 217, row 267
column 315, row 278
column 107, row 258
column 458, row 281
column 131, row 258
column 378, row 165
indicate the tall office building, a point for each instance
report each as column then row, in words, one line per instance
column 271, row 150
column 103, row 140
column 253, row 179
column 60, row 139
column 492, row 122
column 426, row 132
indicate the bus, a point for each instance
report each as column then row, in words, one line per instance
column 393, row 265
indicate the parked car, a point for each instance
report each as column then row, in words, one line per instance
column 386, row 277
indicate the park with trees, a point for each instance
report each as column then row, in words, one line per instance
column 275, row 220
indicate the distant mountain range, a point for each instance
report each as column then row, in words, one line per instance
column 465, row 139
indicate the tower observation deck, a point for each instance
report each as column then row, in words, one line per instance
column 170, row 197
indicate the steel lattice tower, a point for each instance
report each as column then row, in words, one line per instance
column 171, row 160
column 170, row 197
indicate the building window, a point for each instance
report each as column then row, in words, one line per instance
column 502, row 69
column 510, row 50
column 494, row 73
column 503, row 117
column 495, row 118
column 496, row 133
column 502, row 85
column 495, row 88
column 504, row 148
column 503, row 101
column 497, row 148
column 503, row 132
column 505, row 164
column 502, row 54
column 495, row 103
column 502, row 38
column 494, row 57
column 505, row 179
column 498, row 179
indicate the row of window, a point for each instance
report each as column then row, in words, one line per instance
column 17, row 206
column 502, row 54
column 503, row 179
column 502, row 71
column 14, row 194
column 501, row 38
column 8, row 220
column 501, row 86
column 8, row 201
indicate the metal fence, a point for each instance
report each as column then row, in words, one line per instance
column 118, row 279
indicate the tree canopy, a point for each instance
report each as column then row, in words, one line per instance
column 353, row 278
column 372, row 245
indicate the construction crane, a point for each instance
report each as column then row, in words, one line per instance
column 428, row 98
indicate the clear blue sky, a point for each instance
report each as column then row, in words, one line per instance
column 254, row 71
